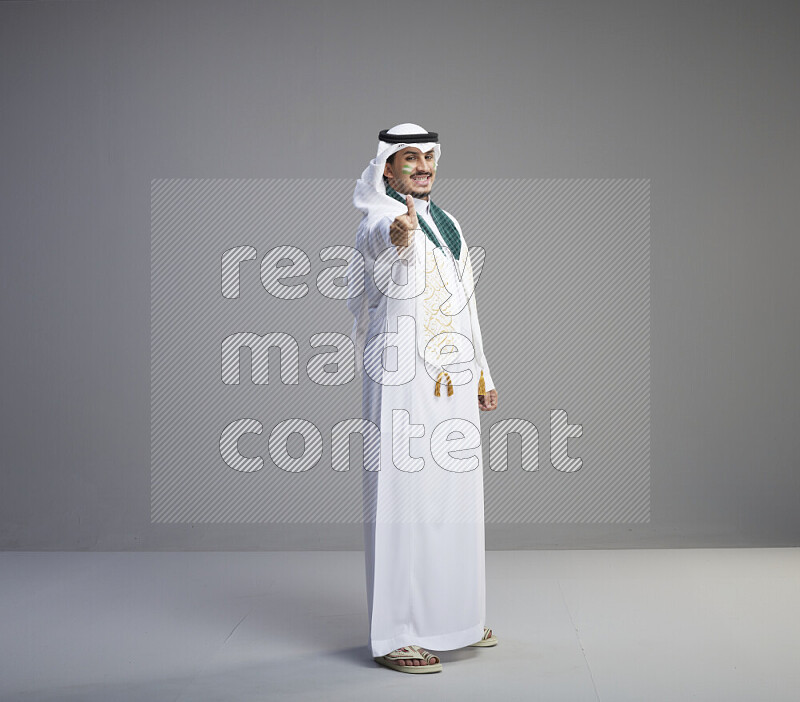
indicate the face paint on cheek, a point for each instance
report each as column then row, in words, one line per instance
column 407, row 169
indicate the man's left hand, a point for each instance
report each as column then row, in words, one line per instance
column 488, row 402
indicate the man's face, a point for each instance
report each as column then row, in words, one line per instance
column 411, row 172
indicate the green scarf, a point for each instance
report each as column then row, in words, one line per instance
column 444, row 224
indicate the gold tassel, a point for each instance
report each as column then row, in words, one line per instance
column 481, row 385
column 437, row 389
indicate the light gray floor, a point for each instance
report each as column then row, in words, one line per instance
column 673, row 624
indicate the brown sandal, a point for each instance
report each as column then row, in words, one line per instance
column 488, row 639
column 410, row 653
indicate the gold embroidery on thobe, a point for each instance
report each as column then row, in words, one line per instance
column 435, row 323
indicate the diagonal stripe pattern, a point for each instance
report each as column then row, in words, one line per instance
column 253, row 394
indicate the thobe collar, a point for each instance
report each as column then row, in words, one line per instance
column 422, row 205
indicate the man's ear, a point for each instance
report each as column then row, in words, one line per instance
column 387, row 170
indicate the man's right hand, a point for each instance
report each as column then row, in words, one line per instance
column 401, row 229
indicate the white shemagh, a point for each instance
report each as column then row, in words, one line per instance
column 434, row 306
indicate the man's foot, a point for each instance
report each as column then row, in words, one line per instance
column 416, row 661
column 488, row 639
column 411, row 659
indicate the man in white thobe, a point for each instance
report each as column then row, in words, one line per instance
column 425, row 379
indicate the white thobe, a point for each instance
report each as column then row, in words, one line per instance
column 423, row 528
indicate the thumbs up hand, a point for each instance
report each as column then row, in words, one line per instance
column 401, row 229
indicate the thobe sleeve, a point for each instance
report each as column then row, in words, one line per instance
column 477, row 338
column 477, row 342
column 357, row 302
column 370, row 243
column 379, row 238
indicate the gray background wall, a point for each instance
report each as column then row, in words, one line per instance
column 100, row 98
